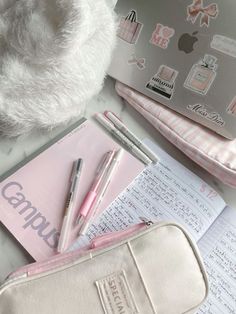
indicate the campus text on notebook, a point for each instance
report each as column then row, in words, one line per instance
column 32, row 199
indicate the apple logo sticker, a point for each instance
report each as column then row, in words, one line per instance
column 187, row 41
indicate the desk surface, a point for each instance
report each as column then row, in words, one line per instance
column 12, row 151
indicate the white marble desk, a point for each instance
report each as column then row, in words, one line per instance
column 12, row 255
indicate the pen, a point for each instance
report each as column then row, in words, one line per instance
column 130, row 135
column 92, row 193
column 76, row 171
column 122, row 138
column 105, row 183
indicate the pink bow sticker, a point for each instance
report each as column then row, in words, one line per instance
column 161, row 36
column 206, row 13
column 140, row 62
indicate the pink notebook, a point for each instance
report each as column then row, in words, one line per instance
column 32, row 200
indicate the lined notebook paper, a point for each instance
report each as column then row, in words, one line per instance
column 169, row 191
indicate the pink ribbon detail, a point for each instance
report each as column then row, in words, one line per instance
column 196, row 9
column 140, row 62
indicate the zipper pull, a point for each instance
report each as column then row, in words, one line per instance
column 112, row 237
column 147, row 222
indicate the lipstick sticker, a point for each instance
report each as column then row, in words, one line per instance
column 139, row 62
column 161, row 36
column 163, row 82
column 206, row 13
column 232, row 107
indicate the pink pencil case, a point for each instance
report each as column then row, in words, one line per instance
column 211, row 151
column 145, row 269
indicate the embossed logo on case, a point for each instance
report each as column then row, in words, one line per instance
column 115, row 294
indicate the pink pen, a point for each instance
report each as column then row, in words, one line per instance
column 93, row 192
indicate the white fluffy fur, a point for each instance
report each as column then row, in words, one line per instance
column 53, row 58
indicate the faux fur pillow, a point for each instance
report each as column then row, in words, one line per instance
column 53, row 58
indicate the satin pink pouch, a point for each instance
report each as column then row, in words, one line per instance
column 147, row 269
column 211, row 151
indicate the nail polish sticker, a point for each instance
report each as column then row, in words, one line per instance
column 161, row 36
column 139, row 62
column 232, row 107
column 129, row 28
column 202, row 75
column 202, row 111
column 224, row 44
column 206, row 13
column 163, row 82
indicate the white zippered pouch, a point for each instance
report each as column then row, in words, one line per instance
column 147, row 269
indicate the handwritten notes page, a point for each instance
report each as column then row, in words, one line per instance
column 218, row 247
column 166, row 191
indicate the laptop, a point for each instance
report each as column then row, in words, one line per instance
column 182, row 54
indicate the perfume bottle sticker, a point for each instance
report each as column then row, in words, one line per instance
column 202, row 75
column 202, row 111
column 129, row 28
column 163, row 82
column 232, row 107
column 207, row 13
column 139, row 62
column 161, row 36
column 224, row 44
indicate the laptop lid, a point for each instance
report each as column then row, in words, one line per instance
column 181, row 54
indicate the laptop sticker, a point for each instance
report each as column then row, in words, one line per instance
column 161, row 36
column 224, row 44
column 232, row 107
column 186, row 42
column 202, row 75
column 139, row 62
column 163, row 82
column 202, row 111
column 129, row 28
column 204, row 13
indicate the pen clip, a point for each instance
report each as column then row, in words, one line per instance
column 74, row 173
column 111, row 112
column 104, row 162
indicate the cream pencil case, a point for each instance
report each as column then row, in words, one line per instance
column 146, row 269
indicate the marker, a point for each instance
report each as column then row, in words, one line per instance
column 76, row 171
column 130, row 135
column 123, row 139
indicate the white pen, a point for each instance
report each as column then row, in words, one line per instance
column 105, row 183
column 76, row 171
column 130, row 135
column 123, row 139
